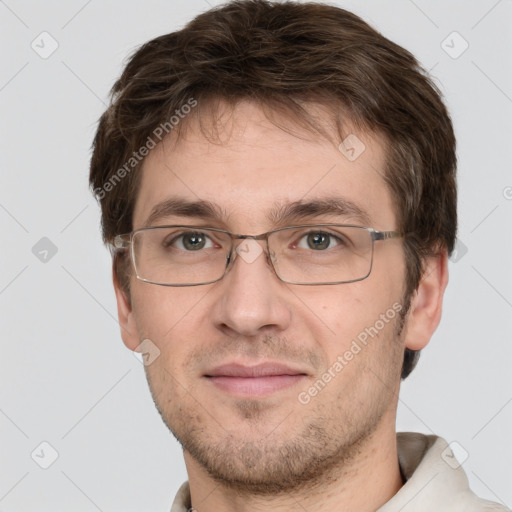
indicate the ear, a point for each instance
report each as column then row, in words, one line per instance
column 427, row 302
column 129, row 332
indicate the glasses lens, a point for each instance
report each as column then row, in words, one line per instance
column 321, row 254
column 180, row 255
column 316, row 254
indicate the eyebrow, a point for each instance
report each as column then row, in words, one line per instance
column 280, row 214
column 304, row 210
column 177, row 207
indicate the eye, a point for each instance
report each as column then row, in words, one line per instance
column 190, row 241
column 318, row 241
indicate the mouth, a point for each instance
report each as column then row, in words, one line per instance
column 254, row 381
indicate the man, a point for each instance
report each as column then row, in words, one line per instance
column 277, row 182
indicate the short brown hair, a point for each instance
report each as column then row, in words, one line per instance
column 284, row 55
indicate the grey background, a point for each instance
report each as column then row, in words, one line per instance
column 66, row 377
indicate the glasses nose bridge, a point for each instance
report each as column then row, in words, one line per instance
column 235, row 251
column 263, row 236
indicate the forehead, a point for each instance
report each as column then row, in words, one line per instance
column 257, row 170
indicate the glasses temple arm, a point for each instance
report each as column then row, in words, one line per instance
column 387, row 235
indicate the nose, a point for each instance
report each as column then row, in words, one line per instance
column 251, row 299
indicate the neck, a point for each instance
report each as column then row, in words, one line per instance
column 364, row 484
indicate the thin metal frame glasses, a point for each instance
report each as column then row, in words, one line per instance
column 297, row 254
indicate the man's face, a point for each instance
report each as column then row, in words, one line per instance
column 275, row 432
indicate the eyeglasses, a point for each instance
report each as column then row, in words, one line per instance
column 306, row 255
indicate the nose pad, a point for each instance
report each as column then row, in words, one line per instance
column 249, row 250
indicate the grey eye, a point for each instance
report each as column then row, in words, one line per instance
column 190, row 241
column 318, row 241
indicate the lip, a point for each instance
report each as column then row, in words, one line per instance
column 254, row 381
column 260, row 370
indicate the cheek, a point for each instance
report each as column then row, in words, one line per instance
column 160, row 308
column 169, row 317
column 363, row 352
column 167, row 320
column 356, row 311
